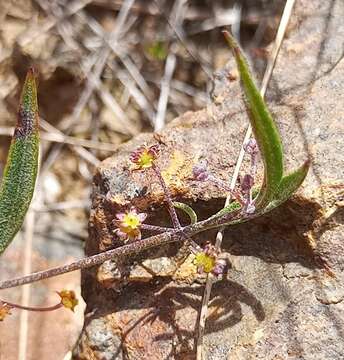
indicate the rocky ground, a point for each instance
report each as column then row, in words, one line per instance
column 277, row 300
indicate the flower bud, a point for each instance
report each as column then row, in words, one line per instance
column 200, row 171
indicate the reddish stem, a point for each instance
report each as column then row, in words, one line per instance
column 171, row 209
column 29, row 308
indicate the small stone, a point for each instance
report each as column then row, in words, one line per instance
column 108, row 273
column 187, row 271
column 330, row 292
column 139, row 273
column 162, row 266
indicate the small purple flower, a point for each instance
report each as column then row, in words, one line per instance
column 144, row 156
column 128, row 224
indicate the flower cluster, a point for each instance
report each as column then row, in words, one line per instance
column 144, row 156
column 128, row 224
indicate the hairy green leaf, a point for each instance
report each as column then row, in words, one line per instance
column 20, row 172
column 288, row 185
column 187, row 209
column 263, row 126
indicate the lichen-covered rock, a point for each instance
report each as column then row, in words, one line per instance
column 276, row 302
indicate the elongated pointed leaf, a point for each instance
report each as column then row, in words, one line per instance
column 263, row 127
column 20, row 172
column 288, row 185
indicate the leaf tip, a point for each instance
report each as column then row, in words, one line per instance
column 231, row 41
column 307, row 163
column 32, row 71
column 30, row 81
column 28, row 106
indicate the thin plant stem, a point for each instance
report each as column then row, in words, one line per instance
column 175, row 235
column 30, row 308
column 26, row 291
column 225, row 186
column 171, row 209
column 160, row 229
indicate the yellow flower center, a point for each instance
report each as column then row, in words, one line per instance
column 131, row 221
column 145, row 159
column 205, row 261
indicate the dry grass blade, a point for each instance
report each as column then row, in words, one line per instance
column 164, row 93
column 222, row 17
column 64, row 205
column 25, row 294
column 170, row 64
column 99, row 62
column 99, row 66
column 36, row 30
column 53, row 134
column 181, row 37
column 58, row 137
column 130, row 66
column 267, row 76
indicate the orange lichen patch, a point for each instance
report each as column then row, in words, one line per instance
column 187, row 271
column 143, row 327
column 179, row 168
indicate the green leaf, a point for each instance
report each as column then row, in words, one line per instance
column 288, row 185
column 233, row 206
column 276, row 188
column 187, row 209
column 263, row 126
column 20, row 172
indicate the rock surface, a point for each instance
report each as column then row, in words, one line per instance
column 276, row 302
